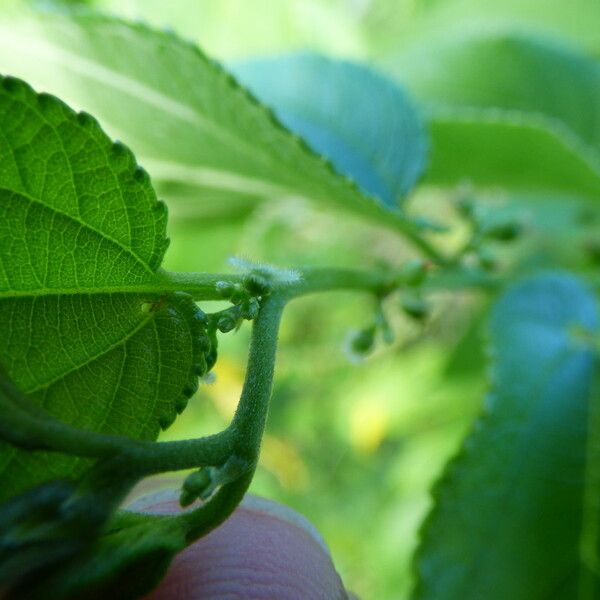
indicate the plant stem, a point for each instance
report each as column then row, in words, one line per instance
column 413, row 234
column 250, row 417
column 203, row 286
column 248, row 422
column 313, row 280
column 36, row 429
column 327, row 280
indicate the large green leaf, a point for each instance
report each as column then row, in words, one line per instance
column 79, row 226
column 377, row 137
column 192, row 125
column 510, row 110
column 507, row 517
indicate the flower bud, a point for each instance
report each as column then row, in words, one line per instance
column 415, row 306
column 194, row 486
column 503, row 232
column 414, row 272
column 363, row 340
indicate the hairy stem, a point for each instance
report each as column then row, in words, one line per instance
column 313, row 280
column 248, row 423
column 39, row 431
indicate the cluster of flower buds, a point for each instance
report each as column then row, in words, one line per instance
column 245, row 298
column 486, row 230
column 412, row 277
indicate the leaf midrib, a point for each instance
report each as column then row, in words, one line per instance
column 150, row 287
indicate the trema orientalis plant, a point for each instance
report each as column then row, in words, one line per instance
column 101, row 347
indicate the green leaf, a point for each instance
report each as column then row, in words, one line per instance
column 357, row 118
column 392, row 24
column 509, row 110
column 45, row 546
column 124, row 563
column 35, row 536
column 79, row 226
column 185, row 117
column 508, row 511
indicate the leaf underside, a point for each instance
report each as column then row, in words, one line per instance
column 79, row 219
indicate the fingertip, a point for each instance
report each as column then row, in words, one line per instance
column 264, row 551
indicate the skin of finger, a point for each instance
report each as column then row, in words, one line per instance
column 262, row 552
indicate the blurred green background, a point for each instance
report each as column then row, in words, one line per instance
column 356, row 446
column 353, row 447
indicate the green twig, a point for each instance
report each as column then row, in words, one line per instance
column 248, row 424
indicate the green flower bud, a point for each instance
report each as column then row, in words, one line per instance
column 249, row 309
column 204, row 342
column 487, row 258
column 200, row 368
column 226, row 323
column 503, row 232
column 225, row 289
column 257, row 284
column 414, row 272
column 362, row 341
column 201, row 317
column 194, row 486
column 415, row 306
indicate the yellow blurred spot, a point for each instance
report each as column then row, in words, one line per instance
column 282, row 459
column 225, row 391
column 368, row 425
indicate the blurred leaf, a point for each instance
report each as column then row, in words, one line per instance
column 391, row 24
column 509, row 110
column 509, row 71
column 467, row 357
column 508, row 511
column 46, row 554
column 589, row 588
column 360, row 120
column 35, row 535
column 493, row 150
column 257, row 27
column 124, row 563
column 186, row 119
